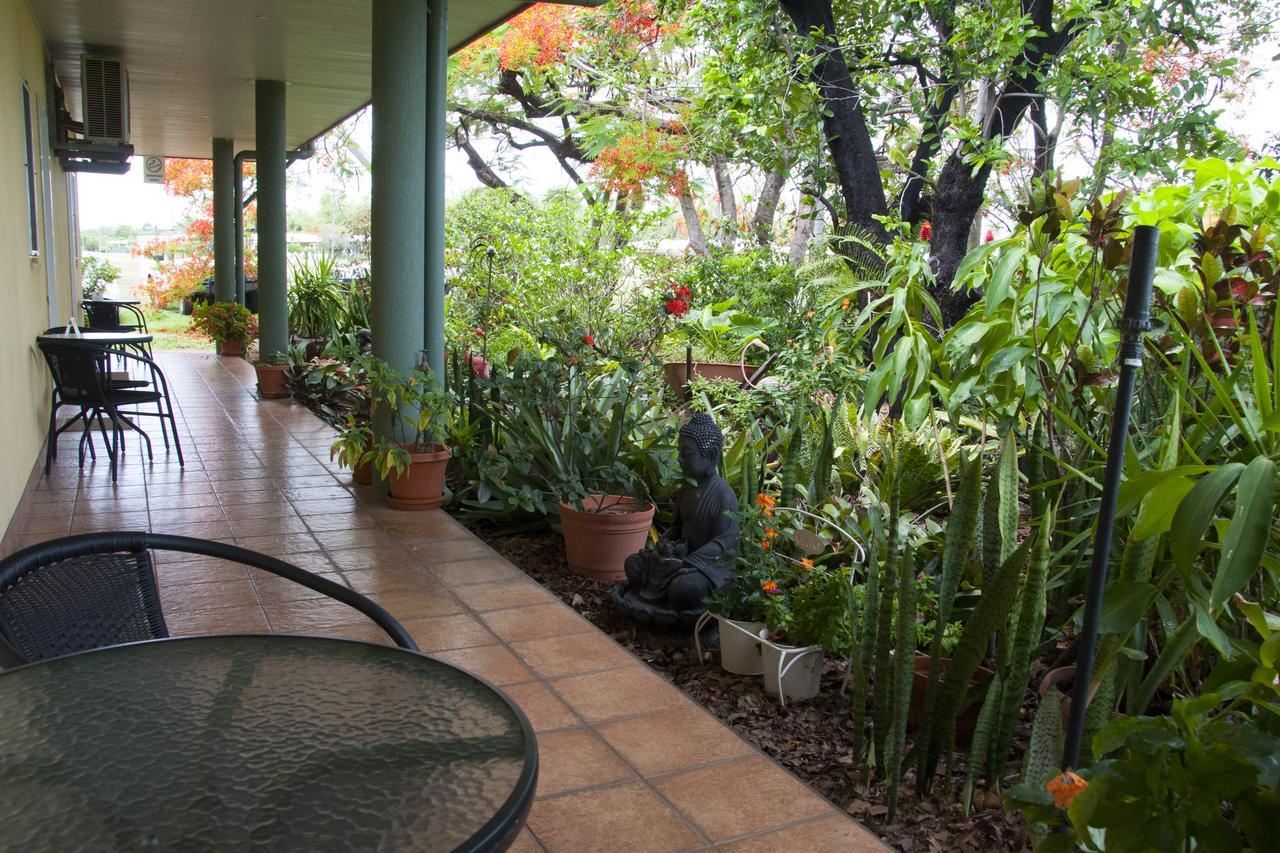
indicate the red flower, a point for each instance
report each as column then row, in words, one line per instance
column 677, row 307
column 926, row 231
column 589, row 340
column 683, row 291
column 990, row 238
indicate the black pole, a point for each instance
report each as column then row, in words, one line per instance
column 1137, row 304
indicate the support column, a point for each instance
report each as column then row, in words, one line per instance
column 273, row 310
column 224, row 247
column 238, row 218
column 437, row 84
column 399, row 151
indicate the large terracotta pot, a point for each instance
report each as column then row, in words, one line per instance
column 422, row 486
column 599, row 538
column 272, row 383
column 675, row 373
column 967, row 719
column 231, row 349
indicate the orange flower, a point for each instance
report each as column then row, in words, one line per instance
column 766, row 544
column 806, row 564
column 1065, row 788
column 770, row 587
column 766, row 503
column 770, row 534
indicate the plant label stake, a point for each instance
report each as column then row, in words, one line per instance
column 1137, row 303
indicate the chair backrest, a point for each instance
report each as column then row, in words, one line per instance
column 76, row 594
column 79, row 371
column 101, row 315
column 99, row 589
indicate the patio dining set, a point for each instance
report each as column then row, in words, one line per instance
column 120, row 736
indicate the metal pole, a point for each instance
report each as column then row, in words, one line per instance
column 437, row 80
column 1137, row 303
column 273, row 308
column 224, row 253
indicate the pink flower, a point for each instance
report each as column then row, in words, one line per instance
column 480, row 331
column 990, row 238
column 479, row 365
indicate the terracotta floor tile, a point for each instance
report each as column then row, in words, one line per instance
column 418, row 603
column 48, row 524
column 305, row 508
column 453, row 550
column 570, row 655
column 54, row 509
column 525, row 843
column 208, row 596
column 625, row 818
column 340, row 521
column 196, row 530
column 248, row 527
column 439, row 633
column 310, row 615
column 198, row 571
column 671, row 740
column 490, row 569
column 273, row 588
column 736, row 798
column 279, row 546
column 384, row 556
column 617, row 693
column 836, row 834
column 535, row 623
column 355, row 537
column 502, row 595
column 433, row 525
column 228, row 620
column 384, row 580
column 570, row 759
column 493, row 663
column 544, row 710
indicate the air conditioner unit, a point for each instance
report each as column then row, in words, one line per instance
column 104, row 88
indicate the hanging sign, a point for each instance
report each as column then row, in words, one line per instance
column 152, row 169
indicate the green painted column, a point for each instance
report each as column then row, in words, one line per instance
column 399, row 152
column 273, row 309
column 224, row 221
column 437, row 85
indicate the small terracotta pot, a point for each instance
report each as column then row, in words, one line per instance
column 231, row 349
column 362, row 474
column 422, row 486
column 675, row 373
column 599, row 538
column 271, row 381
column 967, row 720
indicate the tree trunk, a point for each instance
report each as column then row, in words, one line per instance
column 728, row 201
column 767, row 206
column 843, row 123
column 806, row 219
column 693, row 224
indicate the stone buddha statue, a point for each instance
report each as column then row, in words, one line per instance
column 696, row 555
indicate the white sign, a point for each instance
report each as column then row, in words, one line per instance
column 152, row 169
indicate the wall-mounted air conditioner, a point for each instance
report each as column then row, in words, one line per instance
column 104, row 88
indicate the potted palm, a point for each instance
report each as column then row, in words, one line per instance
column 229, row 324
column 412, row 457
column 273, row 377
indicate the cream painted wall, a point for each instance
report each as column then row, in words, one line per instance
column 24, row 300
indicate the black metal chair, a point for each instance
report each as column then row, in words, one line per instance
column 82, row 377
column 103, row 315
column 99, row 589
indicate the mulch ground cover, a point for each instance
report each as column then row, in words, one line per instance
column 811, row 738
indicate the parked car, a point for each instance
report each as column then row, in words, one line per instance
column 205, row 294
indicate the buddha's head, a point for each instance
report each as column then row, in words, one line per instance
column 701, row 444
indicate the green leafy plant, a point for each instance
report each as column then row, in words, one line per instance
column 317, row 302
column 419, row 409
column 224, row 321
column 95, row 275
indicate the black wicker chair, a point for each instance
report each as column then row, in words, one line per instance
column 99, row 589
column 82, row 377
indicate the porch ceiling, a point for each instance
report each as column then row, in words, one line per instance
column 191, row 63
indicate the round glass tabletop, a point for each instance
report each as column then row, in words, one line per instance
column 282, row 742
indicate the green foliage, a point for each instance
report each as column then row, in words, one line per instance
column 317, row 304
column 224, row 321
column 95, row 275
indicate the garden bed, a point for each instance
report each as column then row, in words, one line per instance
column 811, row 739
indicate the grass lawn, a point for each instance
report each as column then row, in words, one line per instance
column 172, row 330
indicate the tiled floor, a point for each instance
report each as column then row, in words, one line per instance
column 628, row 763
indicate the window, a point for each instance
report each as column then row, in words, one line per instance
column 32, row 229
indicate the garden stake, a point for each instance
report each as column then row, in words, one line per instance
column 1137, row 301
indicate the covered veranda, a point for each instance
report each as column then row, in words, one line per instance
column 626, row 761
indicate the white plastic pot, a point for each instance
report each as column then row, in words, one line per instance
column 790, row 672
column 739, row 644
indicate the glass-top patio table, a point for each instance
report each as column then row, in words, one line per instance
column 279, row 742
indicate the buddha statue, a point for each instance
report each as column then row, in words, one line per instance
column 696, row 555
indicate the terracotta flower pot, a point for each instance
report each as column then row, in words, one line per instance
column 599, row 538
column 362, row 474
column 968, row 717
column 231, row 349
column 271, row 381
column 422, row 486
column 675, row 373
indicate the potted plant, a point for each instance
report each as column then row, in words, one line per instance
column 710, row 342
column 229, row 324
column 273, row 376
column 354, row 450
column 413, row 457
column 317, row 302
